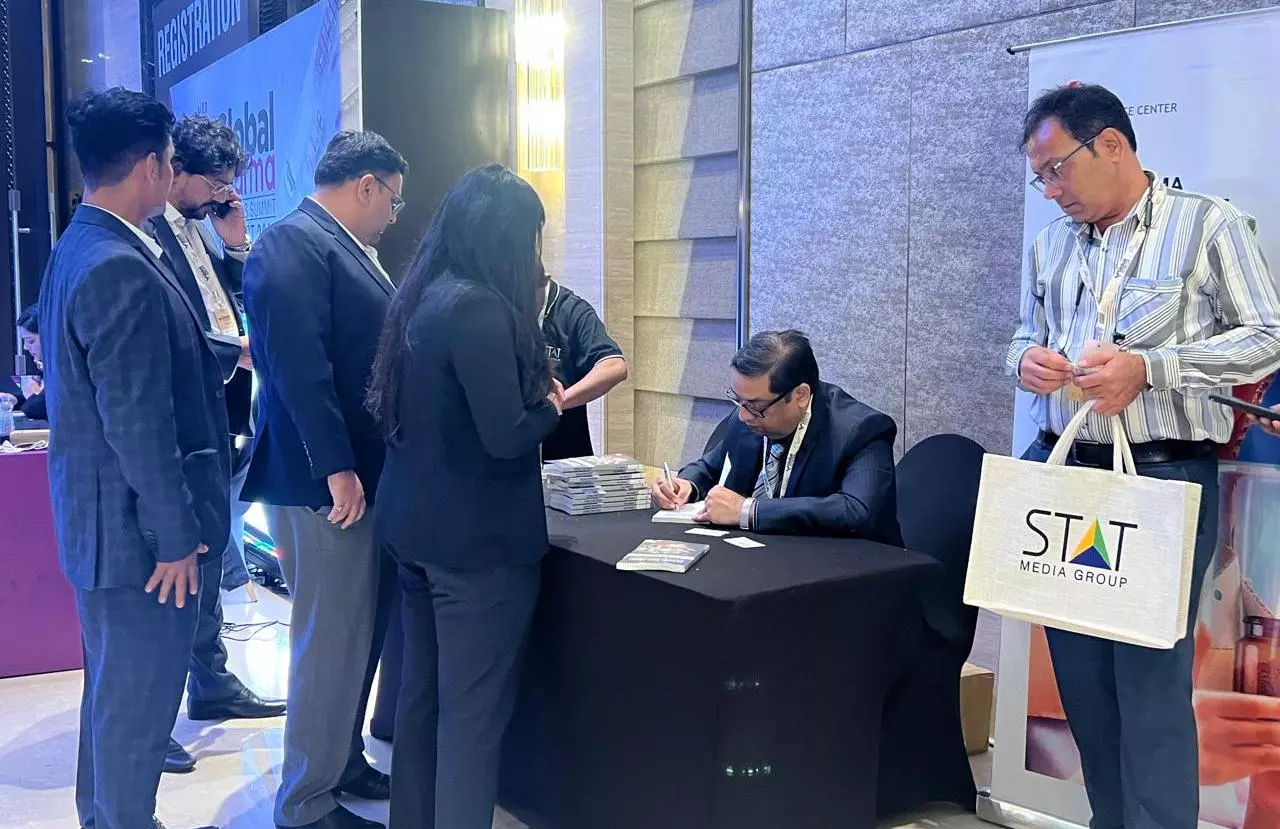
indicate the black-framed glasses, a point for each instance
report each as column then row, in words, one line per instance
column 397, row 203
column 751, row 408
column 1053, row 175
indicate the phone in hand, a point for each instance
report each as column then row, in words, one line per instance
column 221, row 209
column 1248, row 408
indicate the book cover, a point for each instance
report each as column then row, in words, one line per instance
column 665, row 556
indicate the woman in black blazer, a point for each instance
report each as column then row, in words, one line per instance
column 465, row 395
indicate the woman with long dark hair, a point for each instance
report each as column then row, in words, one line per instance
column 463, row 389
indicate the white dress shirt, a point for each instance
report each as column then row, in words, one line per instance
column 369, row 250
column 217, row 304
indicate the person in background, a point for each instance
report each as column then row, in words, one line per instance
column 465, row 396
column 316, row 297
column 1142, row 298
column 206, row 161
column 138, row 468
column 29, row 397
column 805, row 457
column 586, row 361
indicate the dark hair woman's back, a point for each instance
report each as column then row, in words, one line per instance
column 460, row 385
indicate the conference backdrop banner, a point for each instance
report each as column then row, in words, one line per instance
column 285, row 94
column 1203, row 102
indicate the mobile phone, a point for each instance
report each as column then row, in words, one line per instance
column 221, row 209
column 1248, row 408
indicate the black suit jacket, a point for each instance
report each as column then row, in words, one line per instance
column 230, row 273
column 842, row 482
column 138, row 465
column 463, row 485
column 315, row 303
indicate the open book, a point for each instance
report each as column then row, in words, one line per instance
column 683, row 515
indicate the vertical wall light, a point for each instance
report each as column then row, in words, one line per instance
column 539, row 48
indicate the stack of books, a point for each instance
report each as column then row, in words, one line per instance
column 588, row 486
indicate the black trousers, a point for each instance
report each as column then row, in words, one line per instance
column 464, row 634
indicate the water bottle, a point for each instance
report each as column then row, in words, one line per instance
column 6, row 416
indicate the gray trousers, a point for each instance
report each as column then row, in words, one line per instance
column 339, row 591
column 1129, row 708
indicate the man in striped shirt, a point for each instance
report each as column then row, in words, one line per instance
column 1145, row 299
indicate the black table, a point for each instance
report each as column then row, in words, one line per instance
column 744, row 694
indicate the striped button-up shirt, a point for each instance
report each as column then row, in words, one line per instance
column 1199, row 304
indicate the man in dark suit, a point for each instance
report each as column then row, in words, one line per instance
column 316, row 297
column 207, row 158
column 138, row 465
column 804, row 457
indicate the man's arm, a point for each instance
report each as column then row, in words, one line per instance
column 704, row 473
column 1033, row 329
column 120, row 318
column 597, row 357
column 287, row 296
column 1248, row 304
column 853, row 510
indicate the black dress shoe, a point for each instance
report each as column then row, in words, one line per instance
column 177, row 760
column 339, row 818
column 245, row 705
column 370, row 785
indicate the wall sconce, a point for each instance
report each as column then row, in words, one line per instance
column 539, row 46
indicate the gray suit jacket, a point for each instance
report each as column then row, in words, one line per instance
column 138, row 461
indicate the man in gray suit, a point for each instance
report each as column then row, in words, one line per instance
column 316, row 297
column 138, row 464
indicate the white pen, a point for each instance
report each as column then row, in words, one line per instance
column 671, row 483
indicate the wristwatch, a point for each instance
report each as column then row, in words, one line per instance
column 245, row 248
column 748, row 512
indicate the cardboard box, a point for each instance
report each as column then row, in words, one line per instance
column 977, row 700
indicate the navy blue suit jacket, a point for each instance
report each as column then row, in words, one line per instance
column 138, row 461
column 315, row 303
column 842, row 481
column 230, row 273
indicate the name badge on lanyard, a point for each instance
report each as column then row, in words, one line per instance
column 796, row 440
column 1109, row 302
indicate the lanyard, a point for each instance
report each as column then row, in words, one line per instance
column 796, row 440
column 1110, row 299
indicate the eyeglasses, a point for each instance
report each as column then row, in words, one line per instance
column 218, row 189
column 751, row 408
column 397, row 203
column 1053, row 175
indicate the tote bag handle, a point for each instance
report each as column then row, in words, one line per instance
column 1122, row 455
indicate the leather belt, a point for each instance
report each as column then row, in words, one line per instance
column 1101, row 455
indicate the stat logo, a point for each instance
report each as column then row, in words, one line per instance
column 1068, row 546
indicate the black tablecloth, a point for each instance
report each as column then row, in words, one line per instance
column 744, row 694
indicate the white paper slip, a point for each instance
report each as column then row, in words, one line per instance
column 744, row 543
column 704, row 531
column 683, row 515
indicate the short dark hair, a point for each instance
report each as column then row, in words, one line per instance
column 205, row 146
column 112, row 131
column 352, row 154
column 29, row 319
column 1085, row 110
column 785, row 356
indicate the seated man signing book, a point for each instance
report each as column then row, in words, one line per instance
column 804, row 457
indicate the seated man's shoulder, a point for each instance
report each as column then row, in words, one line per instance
column 864, row 423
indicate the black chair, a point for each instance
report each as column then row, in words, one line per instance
column 937, row 496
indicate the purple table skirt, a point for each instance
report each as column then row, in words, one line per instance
column 39, row 631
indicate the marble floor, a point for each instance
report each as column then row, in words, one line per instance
column 238, row 762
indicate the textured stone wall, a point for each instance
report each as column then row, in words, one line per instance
column 887, row 190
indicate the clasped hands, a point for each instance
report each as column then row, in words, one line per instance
column 1112, row 377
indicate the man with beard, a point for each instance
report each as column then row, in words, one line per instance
column 207, row 159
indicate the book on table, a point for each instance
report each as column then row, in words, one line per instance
column 664, row 556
